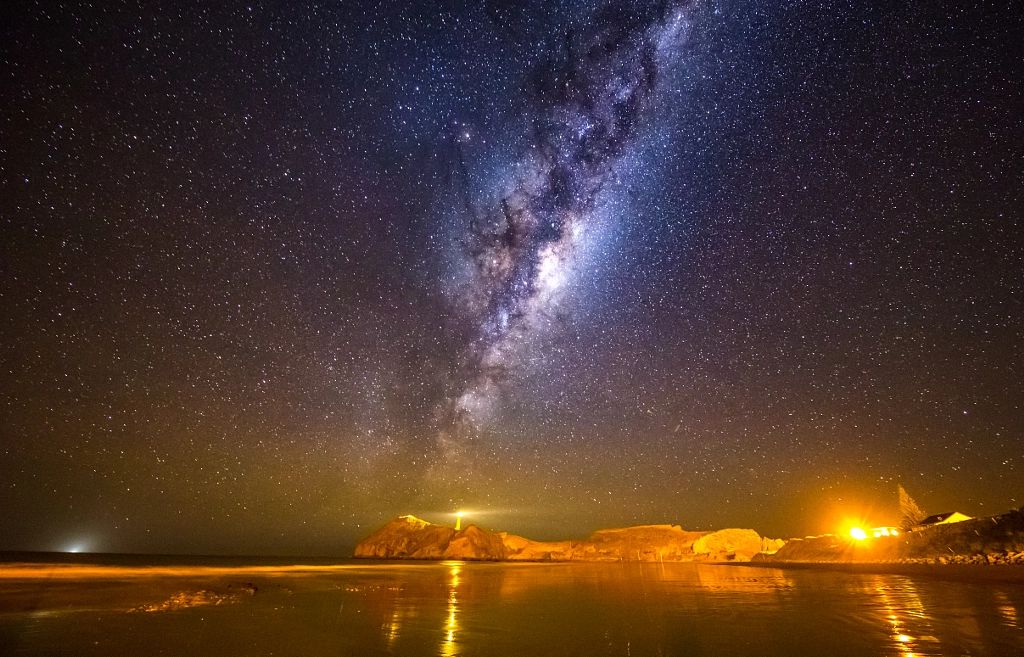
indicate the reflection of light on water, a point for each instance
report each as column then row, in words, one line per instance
column 1007, row 610
column 903, row 608
column 741, row 580
column 393, row 627
column 449, row 642
column 400, row 613
column 448, row 648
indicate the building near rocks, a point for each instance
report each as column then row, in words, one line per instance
column 940, row 519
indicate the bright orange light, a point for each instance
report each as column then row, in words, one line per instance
column 858, row 533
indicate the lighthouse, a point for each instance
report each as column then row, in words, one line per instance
column 458, row 521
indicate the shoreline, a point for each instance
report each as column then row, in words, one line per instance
column 949, row 571
column 37, row 571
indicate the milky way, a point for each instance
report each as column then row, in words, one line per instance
column 274, row 273
column 585, row 106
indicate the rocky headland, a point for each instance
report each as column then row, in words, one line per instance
column 409, row 537
column 995, row 540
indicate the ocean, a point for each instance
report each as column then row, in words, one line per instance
column 118, row 605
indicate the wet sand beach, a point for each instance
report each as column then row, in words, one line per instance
column 456, row 608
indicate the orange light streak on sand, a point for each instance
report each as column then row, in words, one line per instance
column 75, row 571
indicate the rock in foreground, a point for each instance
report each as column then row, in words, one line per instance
column 409, row 537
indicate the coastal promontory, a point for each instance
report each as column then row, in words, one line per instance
column 409, row 537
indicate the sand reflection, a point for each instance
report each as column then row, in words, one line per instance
column 393, row 628
column 1006, row 610
column 638, row 579
column 453, row 608
column 906, row 619
column 731, row 579
column 449, row 647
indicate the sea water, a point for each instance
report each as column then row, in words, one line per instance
column 222, row 607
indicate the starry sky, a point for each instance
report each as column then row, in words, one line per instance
column 272, row 274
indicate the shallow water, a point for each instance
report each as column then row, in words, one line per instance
column 499, row 609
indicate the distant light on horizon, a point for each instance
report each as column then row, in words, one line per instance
column 76, row 547
column 858, row 533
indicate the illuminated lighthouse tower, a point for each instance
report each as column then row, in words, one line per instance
column 458, row 521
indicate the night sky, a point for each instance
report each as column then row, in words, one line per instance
column 272, row 275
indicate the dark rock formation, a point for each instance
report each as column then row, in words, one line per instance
column 411, row 538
